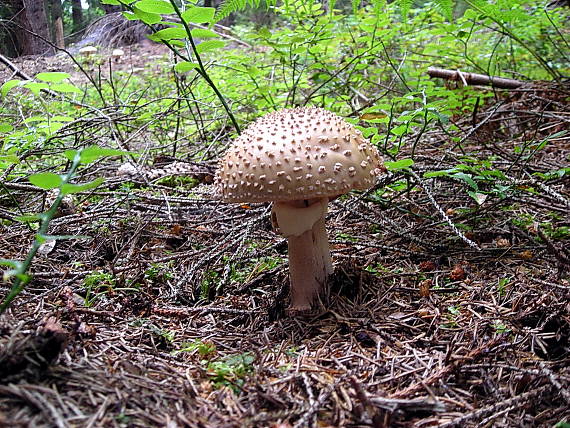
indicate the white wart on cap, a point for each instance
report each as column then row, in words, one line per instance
column 294, row 154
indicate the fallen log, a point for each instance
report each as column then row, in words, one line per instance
column 474, row 78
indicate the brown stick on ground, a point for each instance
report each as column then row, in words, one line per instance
column 474, row 79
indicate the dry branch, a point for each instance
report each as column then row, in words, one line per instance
column 474, row 78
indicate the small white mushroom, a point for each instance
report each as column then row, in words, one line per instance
column 300, row 205
column 117, row 54
column 88, row 50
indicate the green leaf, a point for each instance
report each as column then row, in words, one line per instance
column 5, row 88
column 405, row 6
column 5, row 127
column 46, row 180
column 69, row 188
column 199, row 15
column 15, row 264
column 60, row 118
column 441, row 173
column 467, row 178
column 92, row 153
column 66, row 88
column 480, row 198
column 399, row 165
column 185, row 66
column 52, row 77
column 9, row 159
column 36, row 87
column 168, row 34
column 399, row 130
column 209, row 45
column 113, row 2
column 31, row 218
column 446, row 8
column 202, row 33
column 154, row 6
column 146, row 17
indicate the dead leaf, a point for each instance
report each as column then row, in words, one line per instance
column 373, row 115
column 427, row 266
column 425, row 285
column 457, row 273
column 526, row 255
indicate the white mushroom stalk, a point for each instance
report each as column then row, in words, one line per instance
column 299, row 159
column 302, row 222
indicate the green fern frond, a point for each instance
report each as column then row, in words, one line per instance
column 378, row 6
column 355, row 6
column 230, row 6
column 405, row 6
column 445, row 7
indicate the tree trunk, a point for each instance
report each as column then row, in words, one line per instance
column 30, row 16
column 76, row 15
column 57, row 19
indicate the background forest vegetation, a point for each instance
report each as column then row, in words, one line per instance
column 133, row 297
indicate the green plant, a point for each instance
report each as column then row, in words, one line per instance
column 180, row 35
column 500, row 327
column 204, row 348
column 209, row 282
column 97, row 284
column 50, row 181
column 231, row 370
column 502, row 284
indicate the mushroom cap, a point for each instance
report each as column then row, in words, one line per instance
column 88, row 50
column 117, row 53
column 299, row 153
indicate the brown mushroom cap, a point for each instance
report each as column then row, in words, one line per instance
column 299, row 153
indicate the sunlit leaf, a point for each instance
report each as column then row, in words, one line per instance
column 154, row 6
column 168, row 34
column 202, row 33
column 53, row 77
column 210, row 45
column 66, row 88
column 185, row 66
column 46, row 180
column 146, row 17
column 399, row 165
column 69, row 188
column 199, row 15
column 92, row 153
column 36, row 87
column 5, row 88
column 5, row 127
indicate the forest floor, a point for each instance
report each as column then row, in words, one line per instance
column 172, row 312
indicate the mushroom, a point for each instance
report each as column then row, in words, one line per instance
column 88, row 50
column 299, row 159
column 117, row 54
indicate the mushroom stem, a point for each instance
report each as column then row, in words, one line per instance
column 322, row 244
column 306, row 270
column 302, row 222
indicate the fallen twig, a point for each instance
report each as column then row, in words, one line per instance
column 474, row 78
